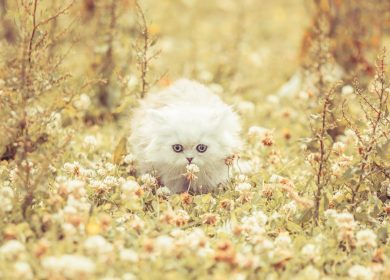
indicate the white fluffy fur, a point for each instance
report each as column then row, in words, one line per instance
column 189, row 114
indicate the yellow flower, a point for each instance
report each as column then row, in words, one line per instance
column 93, row 228
column 154, row 29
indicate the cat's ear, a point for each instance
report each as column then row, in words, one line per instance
column 156, row 115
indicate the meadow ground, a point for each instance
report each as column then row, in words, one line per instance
column 305, row 200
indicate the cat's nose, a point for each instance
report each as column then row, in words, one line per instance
column 189, row 159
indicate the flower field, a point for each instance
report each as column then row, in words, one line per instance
column 309, row 192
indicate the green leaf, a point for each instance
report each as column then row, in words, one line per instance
column 383, row 234
column 362, row 217
column 293, row 227
column 120, row 151
column 306, row 216
column 384, row 150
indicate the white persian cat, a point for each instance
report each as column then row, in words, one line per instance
column 185, row 124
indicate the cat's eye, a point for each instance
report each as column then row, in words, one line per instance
column 201, row 148
column 177, row 148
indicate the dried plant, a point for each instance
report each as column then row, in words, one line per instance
column 322, row 121
column 145, row 53
column 320, row 158
column 33, row 96
column 372, row 134
column 355, row 30
column 107, row 65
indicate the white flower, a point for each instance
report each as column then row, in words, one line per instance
column 345, row 220
column 310, row 251
column 290, row 207
column 23, row 270
column 90, row 142
column 265, row 245
column 273, row 99
column 101, row 171
column 182, row 215
column 283, row 240
column 310, row 272
column 217, row 88
column 110, row 181
column 83, row 102
column 164, row 243
column 177, row 232
column 366, row 237
column 148, row 180
column 76, row 169
column 68, row 167
column 257, row 131
column 255, row 223
column 275, row 178
column 261, row 217
column 244, row 167
column 257, row 58
column 7, row 191
column 69, row 229
column 132, row 81
column 347, row 90
column 242, row 187
column 137, row 223
column 304, row 94
column 79, row 205
column 338, row 148
column 109, row 166
column 191, row 171
column 241, row 178
column 130, row 186
column 96, row 245
column 97, row 184
column 330, row 213
column 163, row 191
column 6, row 196
column 52, row 168
column 84, row 172
column 122, row 219
column 360, row 272
column 192, row 168
column 70, row 266
column 195, row 238
column 128, row 255
column 34, row 110
column 246, row 107
column 275, row 216
column 54, row 122
column 75, row 186
column 129, row 159
column 350, row 133
column 251, row 225
column 12, row 249
column 69, row 210
column 336, row 170
column 205, row 251
column 226, row 228
column 206, row 76
column 129, row 276
column 320, row 239
column 386, row 186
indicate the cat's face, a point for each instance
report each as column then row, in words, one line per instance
column 192, row 135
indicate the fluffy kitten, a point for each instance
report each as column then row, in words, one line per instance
column 185, row 123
